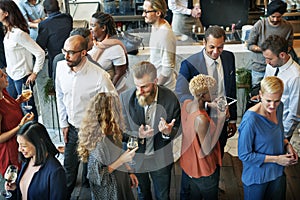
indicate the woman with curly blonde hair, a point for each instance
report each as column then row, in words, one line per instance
column 201, row 153
column 100, row 144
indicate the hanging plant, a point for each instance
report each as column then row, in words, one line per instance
column 49, row 89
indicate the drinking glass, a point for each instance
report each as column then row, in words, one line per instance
column 131, row 144
column 222, row 103
column 10, row 176
column 27, row 92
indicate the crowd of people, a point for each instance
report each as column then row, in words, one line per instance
column 99, row 114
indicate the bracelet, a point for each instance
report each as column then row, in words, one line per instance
column 286, row 144
column 19, row 125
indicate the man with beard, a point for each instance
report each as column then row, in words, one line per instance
column 162, row 42
column 77, row 81
column 281, row 64
column 274, row 23
column 151, row 113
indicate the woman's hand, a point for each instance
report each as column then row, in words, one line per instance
column 128, row 155
column 22, row 99
column 10, row 186
column 286, row 159
column 133, row 180
column 28, row 117
column 31, row 78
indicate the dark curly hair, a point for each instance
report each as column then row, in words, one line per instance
column 107, row 20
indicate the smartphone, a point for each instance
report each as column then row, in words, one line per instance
column 230, row 100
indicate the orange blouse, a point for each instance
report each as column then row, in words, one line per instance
column 192, row 160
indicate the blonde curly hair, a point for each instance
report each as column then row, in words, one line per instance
column 201, row 84
column 103, row 117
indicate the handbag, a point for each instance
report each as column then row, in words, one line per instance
column 131, row 42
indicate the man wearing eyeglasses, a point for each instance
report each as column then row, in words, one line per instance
column 77, row 81
column 162, row 42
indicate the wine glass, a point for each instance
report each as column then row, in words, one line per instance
column 10, row 176
column 27, row 92
column 222, row 103
column 131, row 144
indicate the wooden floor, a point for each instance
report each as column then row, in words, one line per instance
column 230, row 181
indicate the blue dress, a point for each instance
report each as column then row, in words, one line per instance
column 259, row 137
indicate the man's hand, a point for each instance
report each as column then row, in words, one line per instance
column 65, row 133
column 231, row 129
column 164, row 127
column 145, row 132
column 196, row 12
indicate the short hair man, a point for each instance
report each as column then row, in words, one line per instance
column 186, row 13
column 220, row 64
column 53, row 31
column 274, row 23
column 77, row 81
column 152, row 113
column 84, row 32
column 280, row 63
column 162, row 42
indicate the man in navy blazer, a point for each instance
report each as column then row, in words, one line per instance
column 197, row 64
column 53, row 31
column 151, row 113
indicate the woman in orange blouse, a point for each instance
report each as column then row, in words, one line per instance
column 201, row 155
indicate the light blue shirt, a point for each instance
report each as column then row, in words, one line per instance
column 32, row 12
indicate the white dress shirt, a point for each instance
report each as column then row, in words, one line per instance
column 180, row 6
column 19, row 48
column 75, row 89
column 289, row 73
column 210, row 70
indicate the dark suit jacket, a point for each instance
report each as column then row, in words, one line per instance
column 168, row 107
column 53, row 32
column 195, row 65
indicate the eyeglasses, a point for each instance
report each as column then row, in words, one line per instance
column 70, row 52
column 148, row 11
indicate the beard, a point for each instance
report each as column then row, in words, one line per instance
column 146, row 98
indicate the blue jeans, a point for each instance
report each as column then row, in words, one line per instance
column 185, row 189
column 161, row 182
column 205, row 187
column 274, row 190
column 256, row 77
column 71, row 161
column 15, row 89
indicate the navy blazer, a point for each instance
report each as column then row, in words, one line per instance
column 49, row 183
column 168, row 107
column 195, row 64
column 53, row 32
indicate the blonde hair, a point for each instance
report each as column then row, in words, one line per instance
column 103, row 117
column 272, row 85
column 201, row 84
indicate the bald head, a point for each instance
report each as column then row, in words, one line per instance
column 77, row 42
column 75, row 48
